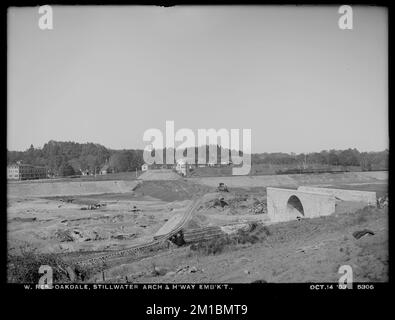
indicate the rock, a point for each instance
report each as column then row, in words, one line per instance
column 247, row 271
column 66, row 248
column 193, row 270
column 123, row 236
column 170, row 274
column 63, row 235
column 259, row 207
column 361, row 233
column 243, row 260
column 71, row 274
column 160, row 271
column 19, row 219
column 382, row 202
column 186, row 269
column 182, row 269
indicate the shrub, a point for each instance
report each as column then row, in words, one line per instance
column 23, row 267
column 213, row 246
column 255, row 233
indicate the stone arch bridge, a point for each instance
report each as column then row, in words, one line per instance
column 289, row 204
column 310, row 202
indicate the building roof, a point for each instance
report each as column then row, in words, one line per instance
column 24, row 165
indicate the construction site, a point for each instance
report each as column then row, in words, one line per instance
column 163, row 227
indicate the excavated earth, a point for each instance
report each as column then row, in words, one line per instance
column 81, row 219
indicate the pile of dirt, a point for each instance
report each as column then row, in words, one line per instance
column 159, row 174
column 235, row 203
column 198, row 220
column 259, row 207
column 71, row 235
column 382, row 202
column 174, row 190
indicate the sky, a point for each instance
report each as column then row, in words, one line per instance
column 106, row 74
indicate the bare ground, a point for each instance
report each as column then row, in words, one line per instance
column 310, row 250
column 297, row 251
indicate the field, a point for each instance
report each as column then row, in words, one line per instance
column 260, row 169
column 77, row 220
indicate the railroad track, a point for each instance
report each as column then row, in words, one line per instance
column 138, row 250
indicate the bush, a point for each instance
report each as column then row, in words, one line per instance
column 24, row 267
column 255, row 233
column 214, row 246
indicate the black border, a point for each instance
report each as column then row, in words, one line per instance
column 241, row 293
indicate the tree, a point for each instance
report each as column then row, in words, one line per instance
column 349, row 157
column 333, row 159
column 91, row 162
column 119, row 161
column 76, row 164
column 66, row 170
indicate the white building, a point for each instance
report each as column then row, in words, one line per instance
column 181, row 167
column 105, row 169
column 21, row 171
column 144, row 167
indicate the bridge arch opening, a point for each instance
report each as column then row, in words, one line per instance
column 294, row 206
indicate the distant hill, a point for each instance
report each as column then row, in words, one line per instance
column 69, row 158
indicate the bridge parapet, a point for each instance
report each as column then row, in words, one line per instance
column 367, row 197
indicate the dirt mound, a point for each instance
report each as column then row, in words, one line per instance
column 174, row 190
column 159, row 174
column 69, row 235
column 236, row 202
column 198, row 220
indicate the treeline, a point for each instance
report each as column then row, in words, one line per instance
column 70, row 158
column 349, row 157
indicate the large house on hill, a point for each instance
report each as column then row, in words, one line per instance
column 19, row 171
